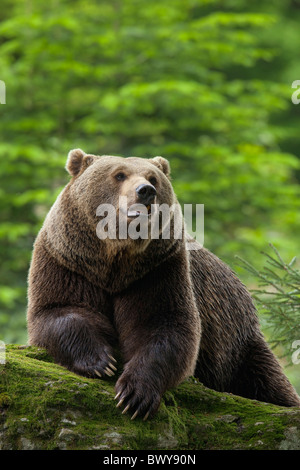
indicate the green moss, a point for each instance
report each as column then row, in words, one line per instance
column 44, row 406
column 4, row 401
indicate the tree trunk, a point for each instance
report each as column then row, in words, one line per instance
column 45, row 407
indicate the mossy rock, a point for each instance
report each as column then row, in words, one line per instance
column 45, row 407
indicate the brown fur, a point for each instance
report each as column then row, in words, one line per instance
column 171, row 312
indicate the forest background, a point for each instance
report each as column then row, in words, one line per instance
column 206, row 84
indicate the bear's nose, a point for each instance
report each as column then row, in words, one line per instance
column 146, row 193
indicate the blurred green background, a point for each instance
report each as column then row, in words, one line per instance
column 204, row 83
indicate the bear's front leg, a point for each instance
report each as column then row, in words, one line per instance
column 70, row 317
column 159, row 333
column 76, row 338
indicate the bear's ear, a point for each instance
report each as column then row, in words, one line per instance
column 162, row 164
column 78, row 160
column 74, row 161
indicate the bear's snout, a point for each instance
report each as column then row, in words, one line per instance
column 146, row 193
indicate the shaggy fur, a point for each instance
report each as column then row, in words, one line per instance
column 171, row 312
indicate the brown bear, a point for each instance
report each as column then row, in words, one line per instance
column 172, row 312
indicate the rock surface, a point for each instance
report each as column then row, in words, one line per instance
column 45, row 407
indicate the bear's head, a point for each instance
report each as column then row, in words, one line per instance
column 111, row 192
column 133, row 187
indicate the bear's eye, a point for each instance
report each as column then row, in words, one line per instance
column 153, row 181
column 120, row 176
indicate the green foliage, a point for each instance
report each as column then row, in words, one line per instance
column 278, row 297
column 193, row 81
column 278, row 301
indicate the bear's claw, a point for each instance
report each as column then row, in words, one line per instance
column 112, row 358
column 109, row 372
column 120, row 402
column 134, row 415
column 97, row 365
column 139, row 398
column 125, row 409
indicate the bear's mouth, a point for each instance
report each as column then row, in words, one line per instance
column 143, row 211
